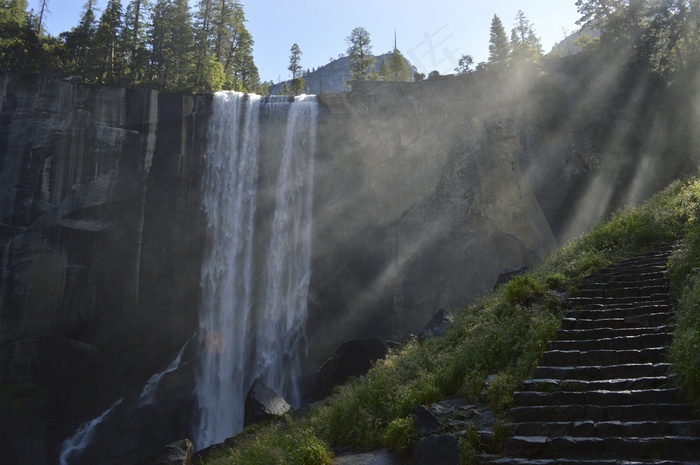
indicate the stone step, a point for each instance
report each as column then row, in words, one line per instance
column 620, row 312
column 632, row 280
column 561, row 461
column 644, row 412
column 639, row 429
column 607, row 333
column 603, row 357
column 644, row 396
column 668, row 447
column 651, row 339
column 623, row 291
column 652, row 319
column 629, row 273
column 663, row 305
column 620, row 384
column 601, row 300
column 627, row 370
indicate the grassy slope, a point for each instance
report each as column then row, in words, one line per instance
column 505, row 334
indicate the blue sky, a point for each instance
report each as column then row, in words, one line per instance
column 431, row 34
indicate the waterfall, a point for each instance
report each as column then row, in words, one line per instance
column 257, row 257
column 76, row 444
column 148, row 393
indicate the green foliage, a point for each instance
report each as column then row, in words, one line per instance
column 685, row 278
column 499, row 47
column 521, row 290
column 469, row 447
column 359, row 52
column 294, row 61
column 398, row 70
column 646, row 36
column 278, row 444
column 161, row 46
column 524, row 43
column 500, row 391
column 105, row 60
column 464, row 64
column 401, row 436
column 384, row 71
column 359, row 413
column 298, row 86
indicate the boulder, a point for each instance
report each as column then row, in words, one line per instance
column 437, row 325
column 442, row 449
column 353, row 358
column 425, row 421
column 176, row 453
column 262, row 403
column 508, row 274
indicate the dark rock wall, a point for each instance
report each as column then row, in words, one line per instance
column 101, row 230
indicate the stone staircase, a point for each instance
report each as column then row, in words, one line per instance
column 602, row 394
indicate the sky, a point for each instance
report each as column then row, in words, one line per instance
column 433, row 35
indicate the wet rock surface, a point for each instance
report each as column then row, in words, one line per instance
column 262, row 404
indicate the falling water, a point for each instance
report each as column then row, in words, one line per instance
column 148, row 393
column 257, row 259
column 74, row 445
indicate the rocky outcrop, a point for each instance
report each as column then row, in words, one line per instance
column 177, row 453
column 263, row 404
column 331, row 77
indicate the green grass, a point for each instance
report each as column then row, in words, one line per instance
column 504, row 334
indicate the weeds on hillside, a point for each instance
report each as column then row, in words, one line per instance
column 685, row 349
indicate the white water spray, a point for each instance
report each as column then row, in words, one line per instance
column 254, row 289
column 75, row 445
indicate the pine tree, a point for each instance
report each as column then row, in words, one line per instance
column 499, row 48
column 171, row 39
column 12, row 20
column 105, row 60
column 384, row 71
column 359, row 51
column 525, row 44
column 398, row 70
column 135, row 40
column 294, row 61
column 207, row 67
column 78, row 40
column 233, row 47
column 295, row 68
column 43, row 11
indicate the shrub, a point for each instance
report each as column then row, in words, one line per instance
column 278, row 444
column 401, row 436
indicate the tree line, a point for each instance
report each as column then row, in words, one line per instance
column 163, row 45
column 153, row 43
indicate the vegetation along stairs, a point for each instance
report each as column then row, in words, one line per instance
column 603, row 393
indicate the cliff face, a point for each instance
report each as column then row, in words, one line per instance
column 420, row 203
column 101, row 232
